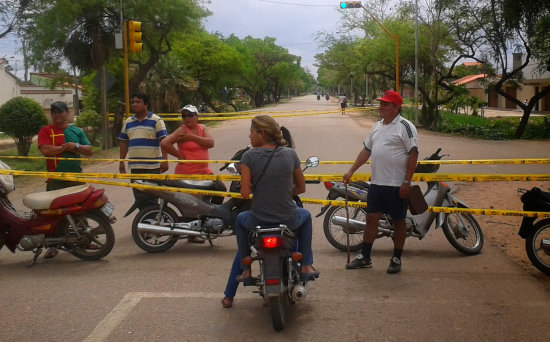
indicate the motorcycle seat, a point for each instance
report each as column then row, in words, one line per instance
column 62, row 197
column 190, row 184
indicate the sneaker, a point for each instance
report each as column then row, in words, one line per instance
column 395, row 265
column 359, row 262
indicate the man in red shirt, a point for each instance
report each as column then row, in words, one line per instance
column 60, row 140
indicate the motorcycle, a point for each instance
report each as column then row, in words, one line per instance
column 279, row 281
column 536, row 235
column 75, row 219
column 157, row 228
column 461, row 230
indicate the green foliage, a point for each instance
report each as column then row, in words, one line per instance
column 91, row 121
column 493, row 128
column 21, row 118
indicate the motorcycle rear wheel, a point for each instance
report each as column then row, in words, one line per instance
column 538, row 254
column 151, row 242
column 336, row 235
column 277, row 306
column 468, row 239
column 97, row 236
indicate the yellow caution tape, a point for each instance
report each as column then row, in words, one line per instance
column 304, row 200
column 418, row 177
column 266, row 112
column 323, row 162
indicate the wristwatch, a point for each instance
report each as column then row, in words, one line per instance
column 77, row 146
column 407, row 182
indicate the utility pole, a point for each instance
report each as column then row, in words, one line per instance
column 416, row 64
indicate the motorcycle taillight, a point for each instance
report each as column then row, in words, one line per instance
column 328, row 185
column 272, row 241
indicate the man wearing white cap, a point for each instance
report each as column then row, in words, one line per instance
column 392, row 146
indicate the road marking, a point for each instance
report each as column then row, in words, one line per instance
column 128, row 303
column 114, row 318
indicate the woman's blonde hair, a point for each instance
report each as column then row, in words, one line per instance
column 266, row 124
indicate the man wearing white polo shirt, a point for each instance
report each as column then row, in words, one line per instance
column 392, row 146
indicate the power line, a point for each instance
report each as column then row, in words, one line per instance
column 295, row 4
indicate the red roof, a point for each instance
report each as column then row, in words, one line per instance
column 471, row 64
column 468, row 79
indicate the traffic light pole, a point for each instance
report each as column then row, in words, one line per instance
column 125, row 53
column 396, row 39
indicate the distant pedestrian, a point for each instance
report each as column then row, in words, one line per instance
column 343, row 101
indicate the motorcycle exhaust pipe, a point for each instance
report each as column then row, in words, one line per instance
column 149, row 228
column 356, row 226
column 299, row 292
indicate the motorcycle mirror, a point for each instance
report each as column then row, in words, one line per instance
column 312, row 161
column 232, row 168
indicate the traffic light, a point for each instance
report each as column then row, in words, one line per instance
column 134, row 35
column 350, row 4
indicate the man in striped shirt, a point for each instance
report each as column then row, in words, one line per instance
column 392, row 146
column 140, row 139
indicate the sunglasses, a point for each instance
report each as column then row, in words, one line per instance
column 188, row 115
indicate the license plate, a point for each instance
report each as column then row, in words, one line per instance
column 108, row 209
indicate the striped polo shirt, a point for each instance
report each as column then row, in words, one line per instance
column 144, row 139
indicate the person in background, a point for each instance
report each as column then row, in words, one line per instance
column 193, row 142
column 140, row 138
column 61, row 140
column 392, row 146
column 343, row 101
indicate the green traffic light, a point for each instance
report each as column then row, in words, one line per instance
column 343, row 5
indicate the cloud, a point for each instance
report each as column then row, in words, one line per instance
column 293, row 26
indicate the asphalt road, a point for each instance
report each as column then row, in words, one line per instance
column 175, row 296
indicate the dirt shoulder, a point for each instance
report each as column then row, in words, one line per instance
column 499, row 231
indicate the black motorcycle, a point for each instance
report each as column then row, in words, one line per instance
column 536, row 235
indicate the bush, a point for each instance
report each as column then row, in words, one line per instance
column 89, row 119
column 21, row 118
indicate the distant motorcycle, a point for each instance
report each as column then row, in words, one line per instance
column 536, row 235
column 75, row 219
column 461, row 230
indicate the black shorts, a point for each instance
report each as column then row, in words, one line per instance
column 386, row 200
column 343, row 105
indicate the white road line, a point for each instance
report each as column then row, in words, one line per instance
column 131, row 300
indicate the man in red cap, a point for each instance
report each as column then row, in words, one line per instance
column 392, row 146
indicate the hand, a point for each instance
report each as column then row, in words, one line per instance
column 404, row 190
column 69, row 146
column 182, row 137
column 347, row 176
column 122, row 167
column 163, row 167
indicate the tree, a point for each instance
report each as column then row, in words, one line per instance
column 11, row 12
column 21, row 118
column 521, row 30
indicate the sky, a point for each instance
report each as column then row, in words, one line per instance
column 293, row 23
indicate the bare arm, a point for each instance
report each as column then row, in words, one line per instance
column 299, row 182
column 167, row 144
column 361, row 159
column 411, row 166
column 123, row 152
column 85, row 150
column 51, row 151
column 206, row 141
column 245, row 181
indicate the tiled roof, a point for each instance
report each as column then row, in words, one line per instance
column 467, row 79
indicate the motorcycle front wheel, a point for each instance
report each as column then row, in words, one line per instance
column 463, row 233
column 96, row 239
column 154, row 242
column 336, row 235
column 537, row 246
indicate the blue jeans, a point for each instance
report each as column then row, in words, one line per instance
column 301, row 225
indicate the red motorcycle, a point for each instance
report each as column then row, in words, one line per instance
column 75, row 219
